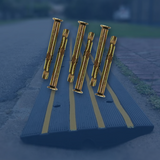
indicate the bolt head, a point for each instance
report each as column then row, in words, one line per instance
column 52, row 88
column 82, row 22
column 104, row 26
column 100, row 95
column 57, row 19
column 78, row 91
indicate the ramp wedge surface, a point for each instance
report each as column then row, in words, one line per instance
column 67, row 119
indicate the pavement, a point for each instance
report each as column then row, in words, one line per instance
column 22, row 53
column 142, row 57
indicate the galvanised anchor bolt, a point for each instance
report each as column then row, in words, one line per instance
column 51, row 47
column 59, row 60
column 77, row 48
column 106, row 68
column 99, row 54
column 84, row 63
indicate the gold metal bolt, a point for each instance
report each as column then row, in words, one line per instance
column 77, row 48
column 99, row 54
column 51, row 47
column 106, row 68
column 84, row 63
column 59, row 60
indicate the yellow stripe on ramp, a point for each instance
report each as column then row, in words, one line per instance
column 73, row 125
column 97, row 112
column 95, row 105
column 48, row 113
column 119, row 106
column 117, row 103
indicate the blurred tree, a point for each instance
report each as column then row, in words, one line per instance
column 41, row 9
column 86, row 9
column 76, row 9
column 10, row 9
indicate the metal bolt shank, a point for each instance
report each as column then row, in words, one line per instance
column 59, row 60
column 99, row 53
column 84, row 63
column 76, row 51
column 106, row 68
column 51, row 46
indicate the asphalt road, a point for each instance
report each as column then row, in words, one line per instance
column 19, row 66
column 23, row 47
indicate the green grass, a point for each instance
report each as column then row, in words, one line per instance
column 141, row 87
column 155, row 100
column 123, row 29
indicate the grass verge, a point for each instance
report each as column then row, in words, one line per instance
column 141, row 87
column 121, row 29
